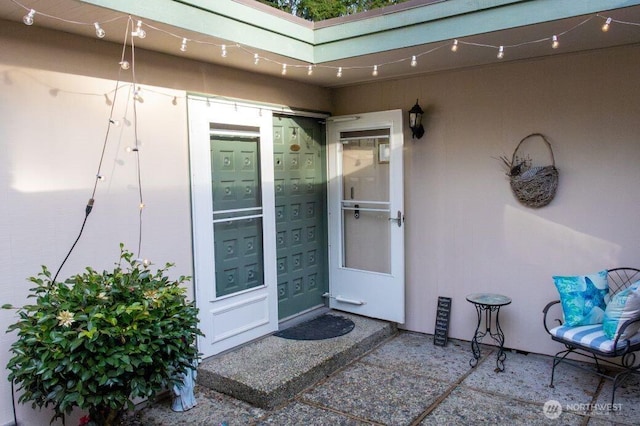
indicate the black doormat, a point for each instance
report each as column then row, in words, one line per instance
column 323, row 327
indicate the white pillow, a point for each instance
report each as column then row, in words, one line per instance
column 623, row 306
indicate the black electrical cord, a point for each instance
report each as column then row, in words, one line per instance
column 84, row 222
column 91, row 201
column 13, row 403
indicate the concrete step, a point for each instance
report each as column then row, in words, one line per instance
column 268, row 372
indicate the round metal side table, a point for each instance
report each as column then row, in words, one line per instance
column 486, row 305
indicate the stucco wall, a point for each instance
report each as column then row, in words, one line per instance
column 465, row 232
column 56, row 92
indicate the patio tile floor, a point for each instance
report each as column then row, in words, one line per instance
column 409, row 381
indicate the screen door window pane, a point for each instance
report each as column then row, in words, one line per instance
column 366, row 236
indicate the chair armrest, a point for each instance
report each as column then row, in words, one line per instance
column 624, row 326
column 545, row 311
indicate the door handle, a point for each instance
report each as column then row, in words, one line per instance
column 398, row 220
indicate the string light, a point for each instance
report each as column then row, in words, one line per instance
column 137, row 95
column 375, row 71
column 139, row 32
column 99, row 31
column 28, row 18
column 284, row 69
column 116, row 123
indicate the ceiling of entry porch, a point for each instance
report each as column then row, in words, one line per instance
column 411, row 38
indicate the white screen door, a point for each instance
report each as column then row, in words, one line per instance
column 366, row 221
column 231, row 155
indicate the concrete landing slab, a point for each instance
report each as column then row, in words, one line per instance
column 467, row 406
column 527, row 377
column 407, row 380
column 269, row 372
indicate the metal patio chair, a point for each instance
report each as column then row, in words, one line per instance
column 590, row 340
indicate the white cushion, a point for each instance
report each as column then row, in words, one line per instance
column 624, row 306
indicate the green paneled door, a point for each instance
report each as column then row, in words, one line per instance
column 301, row 219
column 237, row 213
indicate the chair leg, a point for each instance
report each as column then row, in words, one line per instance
column 557, row 361
column 619, row 378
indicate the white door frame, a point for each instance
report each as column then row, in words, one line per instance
column 373, row 294
column 235, row 319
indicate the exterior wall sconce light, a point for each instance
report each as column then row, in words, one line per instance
column 415, row 121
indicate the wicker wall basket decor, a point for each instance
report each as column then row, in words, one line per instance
column 534, row 186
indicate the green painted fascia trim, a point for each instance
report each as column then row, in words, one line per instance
column 302, row 31
column 458, row 19
column 403, row 18
column 223, row 19
column 422, row 24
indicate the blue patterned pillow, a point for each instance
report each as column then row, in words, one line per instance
column 624, row 306
column 583, row 298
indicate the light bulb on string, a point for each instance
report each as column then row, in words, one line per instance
column 139, row 32
column 28, row 18
column 339, row 73
column 115, row 123
column 144, row 262
column 256, row 59
column 310, row 70
column 375, row 71
column 414, row 61
column 183, row 46
column 124, row 65
column 100, row 177
column 132, row 149
column 99, row 31
column 284, row 69
column 606, row 25
column 223, row 51
column 141, row 206
column 555, row 43
column 454, row 46
column 174, row 101
column 501, row 52
column 137, row 95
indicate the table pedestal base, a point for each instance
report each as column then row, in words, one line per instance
column 495, row 333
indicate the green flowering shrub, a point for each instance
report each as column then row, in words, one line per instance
column 98, row 340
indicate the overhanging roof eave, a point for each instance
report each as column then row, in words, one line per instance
column 419, row 24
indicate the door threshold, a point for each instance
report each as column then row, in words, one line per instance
column 303, row 316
